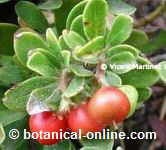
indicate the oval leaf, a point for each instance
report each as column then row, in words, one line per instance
column 31, row 15
column 22, row 47
column 77, row 25
column 51, row 4
column 81, row 71
column 162, row 70
column 2, row 134
column 75, row 87
column 92, row 47
column 6, row 38
column 73, row 39
column 118, row 7
column 132, row 95
column 120, row 31
column 39, row 63
column 17, row 97
column 76, row 11
column 94, row 18
column 122, row 62
column 122, row 48
column 140, row 78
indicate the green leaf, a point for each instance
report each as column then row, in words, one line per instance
column 162, row 70
column 111, row 79
column 16, row 97
column 4, row 1
column 75, row 87
column 2, row 134
column 118, row 7
column 22, row 47
column 137, row 38
column 97, row 144
column 132, row 95
column 94, row 18
column 48, row 95
column 10, row 73
column 120, row 31
column 73, row 39
column 122, row 48
column 66, row 56
column 76, row 11
column 140, row 78
column 6, row 38
column 77, row 25
column 144, row 94
column 92, row 47
column 15, row 144
column 62, row 13
column 31, row 15
column 8, row 117
column 64, row 145
column 62, row 43
column 41, row 64
column 50, row 4
column 54, row 46
column 80, row 71
column 155, row 44
column 122, row 62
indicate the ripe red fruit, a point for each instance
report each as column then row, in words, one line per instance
column 47, row 122
column 109, row 104
column 80, row 119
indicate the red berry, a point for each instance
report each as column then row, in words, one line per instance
column 47, row 122
column 79, row 118
column 109, row 104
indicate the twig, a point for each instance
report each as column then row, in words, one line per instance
column 153, row 15
column 163, row 109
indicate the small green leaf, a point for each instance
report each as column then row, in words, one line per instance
column 122, row 62
column 8, row 116
column 10, row 73
column 122, row 48
column 92, row 47
column 73, row 39
column 162, row 70
column 22, row 47
column 120, row 31
column 62, row 13
column 156, row 43
column 6, row 38
column 16, row 97
column 111, row 79
column 2, row 134
column 62, row 43
column 40, row 63
column 54, row 46
column 132, row 95
column 75, row 87
column 19, row 143
column 143, row 61
column 66, row 56
column 81, row 71
column 50, row 4
column 137, row 38
column 94, row 18
column 144, row 94
column 118, row 7
column 31, row 15
column 48, row 95
column 76, row 11
column 77, row 25
column 97, row 144
column 140, row 78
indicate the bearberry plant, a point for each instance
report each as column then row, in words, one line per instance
column 62, row 73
